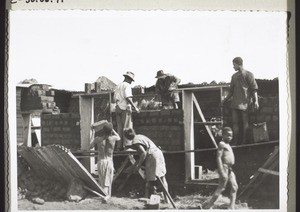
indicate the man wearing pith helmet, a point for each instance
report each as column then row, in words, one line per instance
column 124, row 106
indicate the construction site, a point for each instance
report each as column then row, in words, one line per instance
column 58, row 170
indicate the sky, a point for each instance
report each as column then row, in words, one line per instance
column 67, row 49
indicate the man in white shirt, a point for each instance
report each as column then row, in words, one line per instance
column 124, row 105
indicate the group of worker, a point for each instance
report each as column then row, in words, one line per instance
column 243, row 90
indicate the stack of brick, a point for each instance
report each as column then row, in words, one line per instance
column 163, row 127
column 38, row 97
column 20, row 130
column 62, row 129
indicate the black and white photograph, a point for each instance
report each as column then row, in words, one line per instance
column 139, row 110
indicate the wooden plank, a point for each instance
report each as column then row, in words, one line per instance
column 166, row 192
column 188, row 119
column 88, row 178
column 125, row 153
column 210, row 87
column 86, row 112
column 203, row 119
column 140, row 171
column 267, row 171
column 121, row 168
column 27, row 129
column 132, row 161
column 257, row 183
column 270, row 164
column 209, row 122
column 94, row 192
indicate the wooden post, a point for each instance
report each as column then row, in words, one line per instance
column 27, row 129
column 204, row 120
column 86, row 115
column 188, row 120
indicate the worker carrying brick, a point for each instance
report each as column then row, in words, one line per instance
column 124, row 105
column 166, row 86
column 154, row 160
column 225, row 161
column 243, row 90
column 105, row 147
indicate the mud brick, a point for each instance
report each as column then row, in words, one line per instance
column 45, row 87
column 251, row 119
column 87, row 87
column 275, row 118
column 170, row 120
column 174, row 128
column 46, row 116
column 165, row 112
column 75, row 115
column 65, row 115
column 46, row 129
column 143, row 114
column 154, row 114
column 148, row 121
column 50, row 93
column 51, row 135
column 268, row 118
column 267, row 110
column 55, row 116
column 160, row 120
column 68, row 135
column 142, row 121
column 175, row 120
column 66, row 129
column 98, row 87
column 46, row 98
column 40, row 93
column 139, row 90
column 66, row 122
column 177, row 112
column 260, row 118
column 93, row 86
column 56, row 129
column 154, row 120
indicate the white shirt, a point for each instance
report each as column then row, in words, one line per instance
column 122, row 91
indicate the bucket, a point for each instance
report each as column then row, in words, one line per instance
column 260, row 132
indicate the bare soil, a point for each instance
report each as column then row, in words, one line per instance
column 124, row 203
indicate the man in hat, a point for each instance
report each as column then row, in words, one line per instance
column 166, row 85
column 124, row 105
column 243, row 90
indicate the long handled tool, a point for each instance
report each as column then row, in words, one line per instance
column 166, row 192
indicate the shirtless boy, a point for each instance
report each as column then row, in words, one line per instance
column 225, row 161
column 105, row 145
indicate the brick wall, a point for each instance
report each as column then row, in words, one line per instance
column 63, row 129
column 74, row 105
column 163, row 127
column 20, row 130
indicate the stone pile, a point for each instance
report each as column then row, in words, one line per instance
column 36, row 189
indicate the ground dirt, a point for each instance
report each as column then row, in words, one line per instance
column 124, row 203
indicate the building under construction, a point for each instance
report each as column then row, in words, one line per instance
column 53, row 135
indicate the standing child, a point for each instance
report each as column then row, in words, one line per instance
column 105, row 145
column 225, row 161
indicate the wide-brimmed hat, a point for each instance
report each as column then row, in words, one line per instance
column 129, row 74
column 160, row 74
